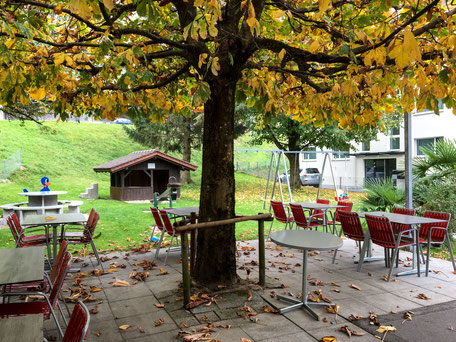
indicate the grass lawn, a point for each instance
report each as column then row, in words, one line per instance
column 66, row 152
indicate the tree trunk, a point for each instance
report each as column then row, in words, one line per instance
column 216, row 258
column 293, row 158
column 187, row 150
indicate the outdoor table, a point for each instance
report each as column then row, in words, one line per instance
column 59, row 220
column 22, row 328
column 320, row 206
column 305, row 240
column 183, row 211
column 401, row 219
column 42, row 198
column 21, row 265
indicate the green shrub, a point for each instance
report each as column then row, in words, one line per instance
column 382, row 195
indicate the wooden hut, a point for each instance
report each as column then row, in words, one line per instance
column 138, row 175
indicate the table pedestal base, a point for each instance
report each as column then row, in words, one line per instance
column 298, row 304
column 412, row 271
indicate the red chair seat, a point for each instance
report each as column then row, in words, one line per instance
column 22, row 309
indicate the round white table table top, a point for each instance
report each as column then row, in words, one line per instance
column 306, row 239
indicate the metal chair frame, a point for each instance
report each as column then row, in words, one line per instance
column 280, row 215
column 352, row 229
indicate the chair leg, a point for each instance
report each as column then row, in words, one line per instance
column 395, row 254
column 169, row 248
column 422, row 254
column 151, row 236
column 363, row 253
column 96, row 254
column 450, row 249
column 61, row 313
column 428, row 256
column 159, row 244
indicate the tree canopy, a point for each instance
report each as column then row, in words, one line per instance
column 348, row 61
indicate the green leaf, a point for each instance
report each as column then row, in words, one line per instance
column 141, row 9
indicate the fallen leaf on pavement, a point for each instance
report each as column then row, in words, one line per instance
column 385, row 328
column 328, row 339
column 120, row 283
column 160, row 305
column 249, row 298
column 332, row 309
column 356, row 287
column 407, row 316
column 423, row 296
column 245, row 340
column 125, row 326
column 158, row 322
column 94, row 310
column 350, row 332
column 354, row 317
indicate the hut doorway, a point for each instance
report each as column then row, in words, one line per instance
column 160, row 180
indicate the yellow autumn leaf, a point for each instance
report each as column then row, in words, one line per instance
column 282, row 54
column 323, row 5
column 109, row 4
column 411, row 46
column 251, row 20
column 81, row 7
column 202, row 59
column 384, row 328
column 315, row 46
column 215, row 66
column 39, row 94
column 125, row 326
column 243, row 3
column 58, row 9
column 401, row 56
column 59, row 58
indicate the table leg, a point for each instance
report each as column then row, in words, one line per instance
column 369, row 257
column 303, row 303
column 54, row 242
column 415, row 269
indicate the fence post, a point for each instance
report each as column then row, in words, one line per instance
column 261, row 256
column 185, row 270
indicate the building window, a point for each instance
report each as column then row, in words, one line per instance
column 379, row 168
column 395, row 140
column 428, row 111
column 426, row 143
column 310, row 156
column 366, row 146
column 341, row 154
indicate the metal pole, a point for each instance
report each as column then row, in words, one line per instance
column 321, row 175
column 288, row 178
column 408, row 160
column 267, row 184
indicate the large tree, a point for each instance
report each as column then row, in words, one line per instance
column 291, row 135
column 321, row 61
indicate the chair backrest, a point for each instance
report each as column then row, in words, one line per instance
column 88, row 232
column 12, row 227
column 58, row 260
column 437, row 235
column 17, row 224
column 351, row 225
column 78, row 324
column 156, row 215
column 347, row 206
column 318, row 214
column 166, row 222
column 298, row 215
column 381, row 232
column 57, row 284
column 279, row 211
column 403, row 211
column 90, row 218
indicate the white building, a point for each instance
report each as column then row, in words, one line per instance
column 377, row 159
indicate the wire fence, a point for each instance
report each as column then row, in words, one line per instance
column 10, row 164
column 257, row 169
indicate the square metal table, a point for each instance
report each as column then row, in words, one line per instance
column 305, row 240
column 183, row 211
column 20, row 265
column 58, row 220
column 22, row 328
column 411, row 220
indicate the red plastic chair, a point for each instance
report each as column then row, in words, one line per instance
column 382, row 234
column 47, row 306
column 85, row 235
column 280, row 215
column 402, row 211
column 335, row 220
column 300, row 218
column 158, row 225
column 169, row 229
column 317, row 215
column 23, row 240
column 351, row 227
column 435, row 234
column 78, row 324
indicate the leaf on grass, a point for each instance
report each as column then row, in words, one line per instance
column 423, row 296
column 120, row 283
column 356, row 287
column 125, row 326
column 384, row 328
column 160, row 305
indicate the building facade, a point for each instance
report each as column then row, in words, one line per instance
column 385, row 156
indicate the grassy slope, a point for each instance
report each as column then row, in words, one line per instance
column 66, row 153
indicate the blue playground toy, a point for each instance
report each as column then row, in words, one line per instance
column 46, row 183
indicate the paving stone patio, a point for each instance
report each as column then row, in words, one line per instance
column 134, row 306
